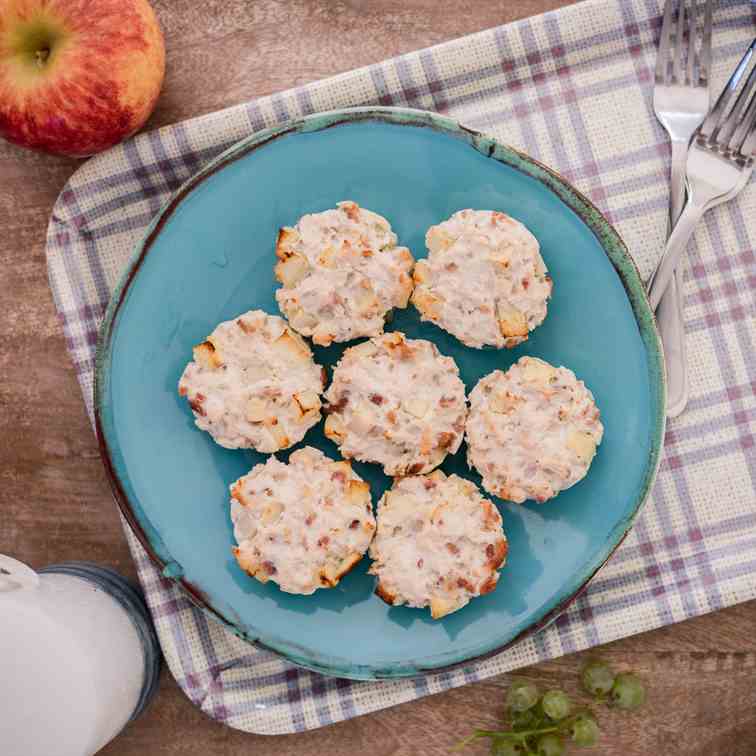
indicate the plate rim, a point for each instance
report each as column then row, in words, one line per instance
column 610, row 242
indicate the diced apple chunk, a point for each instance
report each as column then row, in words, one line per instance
column 277, row 433
column 206, row 354
column 416, row 407
column 538, row 371
column 271, row 512
column 511, row 321
column 358, row 492
column 307, row 401
column 287, row 239
column 291, row 270
column 334, row 429
column 428, row 303
column 583, row 444
column 256, row 410
column 440, row 607
column 290, row 348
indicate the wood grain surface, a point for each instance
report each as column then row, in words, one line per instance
column 54, row 500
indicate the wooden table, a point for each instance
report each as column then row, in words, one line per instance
column 54, row 499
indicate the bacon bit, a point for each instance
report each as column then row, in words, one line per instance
column 452, row 549
column 490, row 584
column 196, row 405
column 354, row 524
column 525, row 283
column 446, row 401
column 269, row 567
column 352, row 211
column 445, row 440
column 310, row 518
column 420, row 564
column 182, row 391
column 429, row 484
column 463, row 583
column 367, row 252
column 376, row 399
column 391, row 417
column 323, row 541
column 452, row 266
column 415, row 468
column 338, row 475
column 338, row 407
column 497, row 553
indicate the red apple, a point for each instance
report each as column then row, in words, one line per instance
column 77, row 76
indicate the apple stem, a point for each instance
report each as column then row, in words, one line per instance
column 42, row 56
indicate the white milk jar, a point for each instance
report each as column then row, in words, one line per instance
column 79, row 658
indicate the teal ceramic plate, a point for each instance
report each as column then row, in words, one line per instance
column 209, row 256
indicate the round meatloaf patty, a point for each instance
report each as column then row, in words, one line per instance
column 341, row 273
column 302, row 524
column 253, row 383
column 397, row 402
column 484, row 280
column 439, row 543
column 532, row 431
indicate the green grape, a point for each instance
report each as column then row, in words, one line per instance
column 524, row 720
column 584, row 730
column 597, row 678
column 628, row 692
column 550, row 745
column 523, row 695
column 505, row 748
column 556, row 704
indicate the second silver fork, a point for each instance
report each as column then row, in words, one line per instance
column 681, row 102
column 720, row 163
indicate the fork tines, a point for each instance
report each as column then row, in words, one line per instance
column 732, row 131
column 676, row 62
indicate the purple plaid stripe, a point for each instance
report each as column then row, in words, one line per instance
column 675, row 564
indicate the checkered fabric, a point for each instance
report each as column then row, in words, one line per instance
column 573, row 89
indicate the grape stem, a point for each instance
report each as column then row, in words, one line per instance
column 521, row 735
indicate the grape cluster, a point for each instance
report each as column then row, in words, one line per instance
column 542, row 724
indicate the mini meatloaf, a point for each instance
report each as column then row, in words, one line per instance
column 342, row 274
column 532, row 431
column 484, row 280
column 397, row 402
column 439, row 543
column 253, row 384
column 304, row 524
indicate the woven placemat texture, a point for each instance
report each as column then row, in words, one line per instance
column 573, row 89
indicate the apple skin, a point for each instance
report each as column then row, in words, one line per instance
column 95, row 81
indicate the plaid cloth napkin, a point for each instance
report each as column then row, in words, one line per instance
column 573, row 89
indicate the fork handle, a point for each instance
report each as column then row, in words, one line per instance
column 676, row 244
column 669, row 315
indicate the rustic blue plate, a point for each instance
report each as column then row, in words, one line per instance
column 209, row 256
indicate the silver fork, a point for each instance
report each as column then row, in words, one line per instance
column 720, row 162
column 681, row 102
